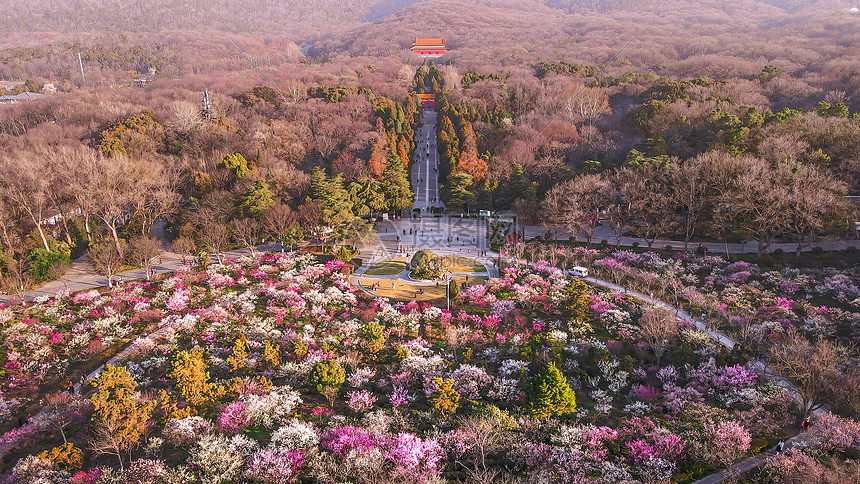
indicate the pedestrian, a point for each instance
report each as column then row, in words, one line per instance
column 806, row 424
column 70, row 388
column 780, row 446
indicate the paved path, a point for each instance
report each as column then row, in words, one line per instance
column 425, row 164
column 605, row 233
column 741, row 467
column 444, row 235
column 82, row 276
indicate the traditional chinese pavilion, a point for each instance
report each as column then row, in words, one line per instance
column 431, row 47
column 427, row 99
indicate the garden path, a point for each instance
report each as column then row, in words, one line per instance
column 604, row 233
column 82, row 276
column 741, row 467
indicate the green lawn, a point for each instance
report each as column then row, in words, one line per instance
column 464, row 264
column 387, row 268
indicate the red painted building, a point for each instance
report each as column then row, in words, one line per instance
column 429, row 47
column 427, row 100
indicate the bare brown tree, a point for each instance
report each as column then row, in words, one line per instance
column 159, row 196
column 143, row 251
column 585, row 104
column 247, row 232
column 26, row 184
column 184, row 246
column 487, row 435
column 658, row 329
column 819, row 371
column 690, row 189
column 14, row 276
column 211, row 233
column 816, row 204
column 115, row 186
column 280, row 224
column 106, row 258
column 591, row 195
column 760, row 202
column 63, row 409
column 649, row 204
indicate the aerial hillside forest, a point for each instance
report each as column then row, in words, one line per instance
column 190, row 128
column 732, row 121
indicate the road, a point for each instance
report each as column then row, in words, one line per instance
column 603, row 232
column 82, row 276
column 425, row 164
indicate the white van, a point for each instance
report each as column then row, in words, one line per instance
column 579, row 271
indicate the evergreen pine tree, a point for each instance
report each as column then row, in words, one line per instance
column 550, row 394
column 331, row 194
column 257, row 199
column 456, row 192
column 396, row 186
column 319, row 187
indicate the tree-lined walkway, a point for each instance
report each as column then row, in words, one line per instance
column 605, row 233
column 82, row 276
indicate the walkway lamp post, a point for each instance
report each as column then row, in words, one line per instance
column 448, row 289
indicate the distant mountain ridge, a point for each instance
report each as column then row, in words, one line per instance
column 300, row 17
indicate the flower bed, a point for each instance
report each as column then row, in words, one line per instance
column 275, row 369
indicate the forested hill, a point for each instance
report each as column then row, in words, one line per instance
column 291, row 18
column 672, row 37
column 296, row 18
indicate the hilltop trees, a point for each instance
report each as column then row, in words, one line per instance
column 716, row 193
